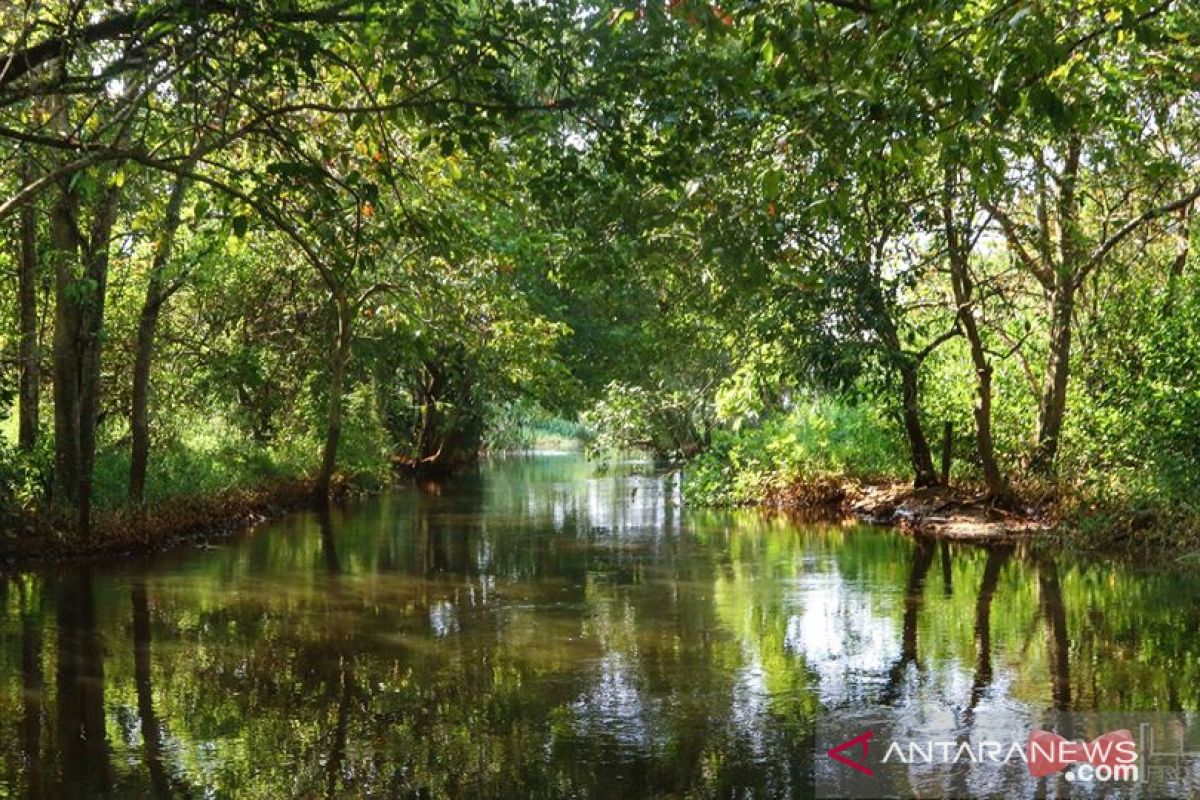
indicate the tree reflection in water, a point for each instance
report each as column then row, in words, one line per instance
column 544, row 631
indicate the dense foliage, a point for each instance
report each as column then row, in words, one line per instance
column 252, row 239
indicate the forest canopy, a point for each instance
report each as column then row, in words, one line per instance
column 249, row 241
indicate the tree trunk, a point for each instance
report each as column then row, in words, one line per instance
column 1179, row 263
column 964, row 287
column 1053, row 404
column 1060, row 296
column 139, row 414
column 918, row 445
column 156, row 295
column 337, row 382
column 29, row 358
column 79, row 322
column 64, row 239
column 93, row 329
column 996, row 485
column 909, row 369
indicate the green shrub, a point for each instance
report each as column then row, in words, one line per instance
column 816, row 439
column 664, row 422
column 523, row 425
column 193, row 455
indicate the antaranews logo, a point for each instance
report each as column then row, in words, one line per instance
column 1110, row 757
column 910, row 753
column 862, row 740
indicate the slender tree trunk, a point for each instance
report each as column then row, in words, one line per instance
column 918, row 445
column 139, row 413
column 910, row 385
column 1060, row 297
column 1179, row 263
column 156, row 295
column 64, row 238
column 29, row 358
column 337, row 382
column 993, row 478
column 1053, row 404
column 91, row 346
column 964, row 288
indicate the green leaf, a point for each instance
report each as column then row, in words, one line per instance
column 772, row 181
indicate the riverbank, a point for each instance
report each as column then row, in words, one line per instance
column 940, row 511
column 1050, row 515
column 849, row 461
column 165, row 525
column 953, row 513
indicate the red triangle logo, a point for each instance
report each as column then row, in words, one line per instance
column 862, row 741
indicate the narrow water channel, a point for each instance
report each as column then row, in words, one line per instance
column 543, row 629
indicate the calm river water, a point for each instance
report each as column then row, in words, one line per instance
column 542, row 629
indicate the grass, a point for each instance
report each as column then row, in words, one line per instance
column 524, row 427
column 206, row 457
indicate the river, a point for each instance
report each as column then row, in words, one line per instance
column 544, row 628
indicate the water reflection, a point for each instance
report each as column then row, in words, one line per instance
column 996, row 557
column 914, row 599
column 151, row 734
column 540, row 630
column 79, row 685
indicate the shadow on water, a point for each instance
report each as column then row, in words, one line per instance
column 541, row 630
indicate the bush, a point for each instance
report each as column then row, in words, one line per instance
column 817, row 439
column 518, row 426
column 24, row 478
column 209, row 455
column 664, row 422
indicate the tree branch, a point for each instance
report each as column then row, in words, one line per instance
column 1132, row 225
column 1040, row 271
